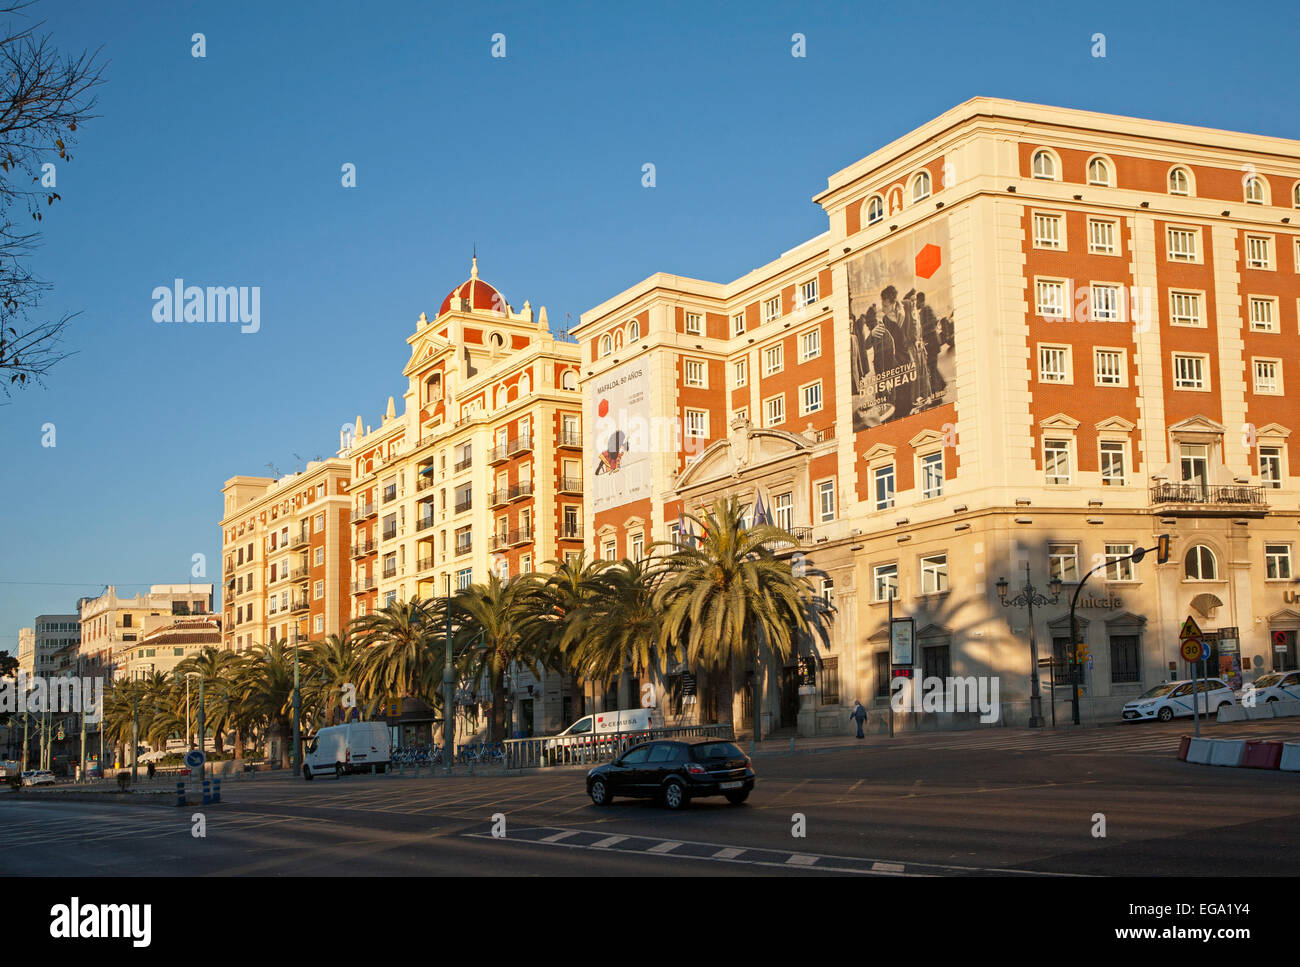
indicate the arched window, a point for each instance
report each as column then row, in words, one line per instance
column 1200, row 564
column 501, row 397
column 618, row 339
column 569, row 380
column 606, row 345
column 876, row 209
column 1099, row 172
column 1295, row 195
column 1044, row 165
column 496, row 340
column 1254, row 190
column 634, row 331
column 921, row 187
column 433, row 388
column 1179, row 182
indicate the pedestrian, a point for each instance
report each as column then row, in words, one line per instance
column 859, row 714
column 151, row 769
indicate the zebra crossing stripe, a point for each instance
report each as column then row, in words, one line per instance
column 665, row 847
column 556, row 837
column 729, row 853
column 799, row 859
column 880, row 867
column 608, row 841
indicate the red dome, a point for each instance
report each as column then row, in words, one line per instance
column 479, row 295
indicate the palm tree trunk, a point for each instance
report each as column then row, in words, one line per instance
column 239, row 743
column 726, row 694
column 497, row 727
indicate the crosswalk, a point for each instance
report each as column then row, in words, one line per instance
column 650, row 846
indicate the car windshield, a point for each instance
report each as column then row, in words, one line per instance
column 1160, row 690
column 1264, row 681
column 717, row 750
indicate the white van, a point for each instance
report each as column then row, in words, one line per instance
column 600, row 728
column 351, row 747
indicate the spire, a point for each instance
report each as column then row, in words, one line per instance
column 473, row 264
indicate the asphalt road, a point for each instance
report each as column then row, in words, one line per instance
column 1000, row 802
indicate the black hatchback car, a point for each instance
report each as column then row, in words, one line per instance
column 674, row 773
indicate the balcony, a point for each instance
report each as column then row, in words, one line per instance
column 423, row 482
column 363, row 585
column 464, row 547
column 498, row 455
column 570, row 485
column 390, row 494
column 390, row 533
column 802, row 535
column 463, row 464
column 523, row 535
column 569, row 440
column 362, row 511
column 361, row 550
column 299, row 574
column 464, row 505
column 390, row 569
column 1207, row 500
column 299, row 540
column 520, row 445
column 298, row 604
column 571, row 532
column 230, row 568
column 424, row 564
column 424, row 522
column 521, row 490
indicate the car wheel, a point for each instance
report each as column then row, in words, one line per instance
column 382, row 768
column 674, row 795
column 1165, row 714
column 736, row 798
column 306, row 772
column 338, row 770
column 1272, row 698
column 1222, row 706
column 600, row 793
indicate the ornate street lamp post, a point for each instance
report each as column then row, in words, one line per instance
column 1027, row 598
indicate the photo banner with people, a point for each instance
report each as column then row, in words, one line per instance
column 901, row 327
column 620, row 436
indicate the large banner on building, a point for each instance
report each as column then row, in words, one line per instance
column 901, row 327
column 620, row 436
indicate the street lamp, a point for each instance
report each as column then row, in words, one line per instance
column 297, row 703
column 1027, row 599
column 448, row 692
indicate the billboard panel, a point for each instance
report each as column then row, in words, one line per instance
column 620, row 436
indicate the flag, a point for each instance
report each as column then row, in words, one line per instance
column 760, row 513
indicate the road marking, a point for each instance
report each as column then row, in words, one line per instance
column 730, row 853
column 799, row 859
column 880, row 867
column 556, row 837
column 608, row 841
column 665, row 847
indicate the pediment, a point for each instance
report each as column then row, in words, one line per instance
column 1198, row 424
column 732, row 456
column 925, row 438
column 1117, row 424
column 1284, row 620
column 1272, row 430
column 1059, row 421
column 1126, row 618
column 879, row 452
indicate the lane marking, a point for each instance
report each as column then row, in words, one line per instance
column 665, row 847
column 730, row 853
column 882, row 867
column 607, row 842
column 556, row 837
column 800, row 859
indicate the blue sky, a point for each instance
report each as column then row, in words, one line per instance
column 225, row 170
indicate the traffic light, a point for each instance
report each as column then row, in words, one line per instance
column 1162, row 549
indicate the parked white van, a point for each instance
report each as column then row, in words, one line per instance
column 600, row 728
column 351, row 747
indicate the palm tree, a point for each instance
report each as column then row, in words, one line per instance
column 621, row 628
column 215, row 668
column 492, row 615
column 334, row 664
column 265, row 677
column 401, row 651
column 732, row 599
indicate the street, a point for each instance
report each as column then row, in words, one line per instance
column 995, row 801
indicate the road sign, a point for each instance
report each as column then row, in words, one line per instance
column 1192, row 649
column 195, row 758
column 1205, row 649
column 1190, row 629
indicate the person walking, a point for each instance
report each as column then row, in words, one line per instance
column 859, row 715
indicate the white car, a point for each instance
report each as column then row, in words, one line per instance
column 38, row 777
column 1273, row 687
column 1169, row 699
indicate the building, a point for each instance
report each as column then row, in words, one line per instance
column 161, row 649
column 285, row 555
column 112, row 625
column 1029, row 336
column 27, row 650
column 481, row 472
column 54, row 634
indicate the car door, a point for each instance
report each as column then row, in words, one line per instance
column 1180, row 699
column 626, row 773
column 662, row 761
column 1290, row 687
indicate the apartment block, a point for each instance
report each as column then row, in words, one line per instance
column 112, row 625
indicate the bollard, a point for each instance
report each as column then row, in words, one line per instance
column 216, row 790
column 180, row 794
column 792, row 745
column 207, row 792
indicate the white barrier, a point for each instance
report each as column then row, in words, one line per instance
column 1235, row 713
column 1227, row 752
column 1290, row 757
column 1264, row 710
column 1198, row 750
column 1285, row 709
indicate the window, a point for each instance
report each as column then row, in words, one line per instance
column 318, row 623
column 783, row 506
column 610, row 550
column 464, row 578
column 921, row 186
column 693, row 324
column 1185, row 309
column 1054, row 364
column 606, row 346
column 810, row 398
column 741, row 372
column 1119, row 566
column 773, row 359
column 772, row 309
column 1125, row 659
column 638, row 546
column 934, row 574
column 633, row 331
column 320, row 589
column 932, row 475
column 1112, row 463
column 884, row 581
column 884, row 481
column 695, row 373
column 774, row 410
column 738, row 324
column 1268, row 376
column 1200, row 564
column 569, row 380
column 1263, row 314
column 1189, row 372
column 1063, row 562
column 1050, row 298
column 1047, row 231
column 1056, row 461
column 1254, row 191
column 875, row 209
column 1270, row 466
column 1105, row 302
column 1101, row 236
column 1259, row 251
column 810, row 345
column 740, row 413
column 1277, row 562
column 1099, row 172
column 1108, row 367
column 1295, row 195
column 1182, row 244
column 825, row 501
column 697, row 423
column 320, row 556
column 808, row 293
column 1179, row 183
column 1044, row 166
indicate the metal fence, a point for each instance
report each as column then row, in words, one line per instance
column 589, row 749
